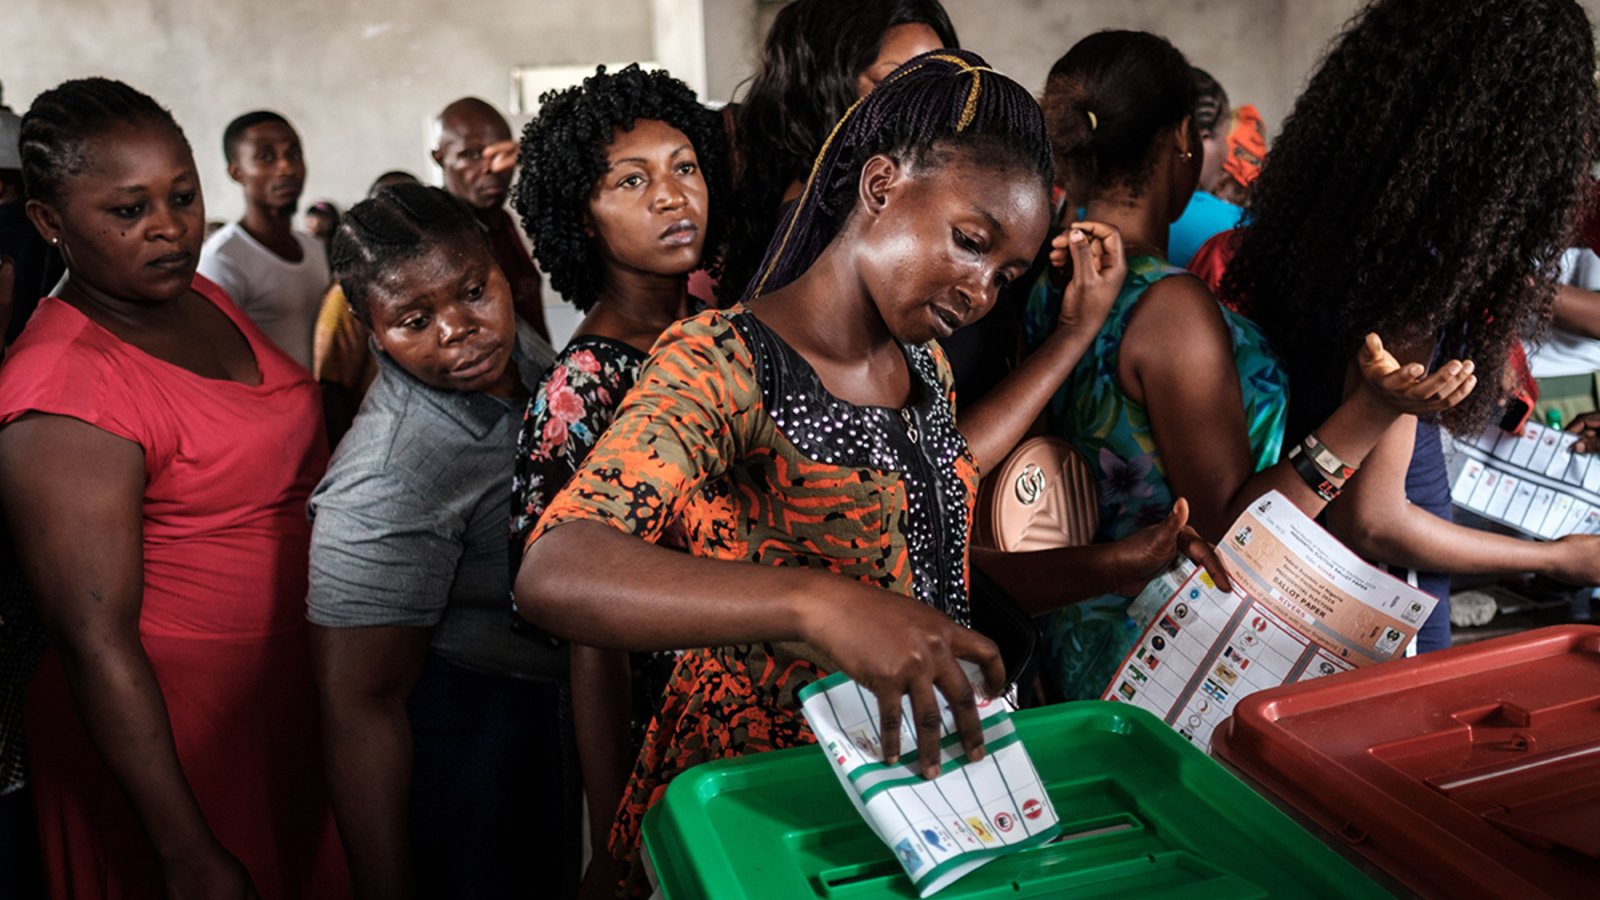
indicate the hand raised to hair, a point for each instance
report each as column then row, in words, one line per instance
column 896, row 647
column 1410, row 389
column 1099, row 266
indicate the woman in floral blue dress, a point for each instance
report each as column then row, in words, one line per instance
column 620, row 180
column 1177, row 396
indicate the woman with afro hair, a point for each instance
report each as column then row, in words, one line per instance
column 1424, row 188
column 621, row 181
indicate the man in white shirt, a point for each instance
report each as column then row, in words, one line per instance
column 1566, row 361
column 275, row 274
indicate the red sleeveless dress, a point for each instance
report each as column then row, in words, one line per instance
column 229, row 468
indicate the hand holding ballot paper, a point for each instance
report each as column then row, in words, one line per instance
column 1302, row 606
column 944, row 827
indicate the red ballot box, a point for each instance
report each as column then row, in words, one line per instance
column 1471, row 772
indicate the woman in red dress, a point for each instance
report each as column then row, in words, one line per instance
column 156, row 453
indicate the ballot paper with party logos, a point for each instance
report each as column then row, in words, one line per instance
column 1303, row 606
column 1531, row 481
column 942, row 828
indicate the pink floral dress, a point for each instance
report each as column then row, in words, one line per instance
column 566, row 416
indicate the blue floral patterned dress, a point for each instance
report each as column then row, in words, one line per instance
column 1087, row 641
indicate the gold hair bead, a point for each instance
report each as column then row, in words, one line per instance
column 960, row 63
column 970, row 109
column 1093, row 122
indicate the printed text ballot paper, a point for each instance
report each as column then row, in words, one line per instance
column 1302, row 606
column 944, row 828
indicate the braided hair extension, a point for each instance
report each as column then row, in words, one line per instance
column 1106, row 102
column 401, row 221
column 58, row 127
column 564, row 154
column 1423, row 187
column 1210, row 99
column 806, row 79
column 234, row 133
column 937, row 105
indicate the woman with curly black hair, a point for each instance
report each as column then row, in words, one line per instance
column 820, row 57
column 1424, row 188
column 622, row 181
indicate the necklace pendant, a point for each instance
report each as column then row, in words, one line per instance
column 910, row 423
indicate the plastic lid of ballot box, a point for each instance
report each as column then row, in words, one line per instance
column 1143, row 812
column 1471, row 772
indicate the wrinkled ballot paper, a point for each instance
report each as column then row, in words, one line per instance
column 941, row 829
column 1303, row 606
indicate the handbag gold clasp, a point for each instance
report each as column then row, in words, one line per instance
column 1031, row 484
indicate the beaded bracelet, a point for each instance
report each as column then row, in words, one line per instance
column 1329, row 462
column 1312, row 476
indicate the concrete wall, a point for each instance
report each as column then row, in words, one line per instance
column 360, row 79
column 1261, row 50
column 1235, row 40
column 1241, row 42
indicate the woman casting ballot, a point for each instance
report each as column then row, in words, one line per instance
column 811, row 430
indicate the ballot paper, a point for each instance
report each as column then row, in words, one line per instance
column 943, row 828
column 1302, row 606
column 1531, row 481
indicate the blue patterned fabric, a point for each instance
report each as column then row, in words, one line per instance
column 1087, row 641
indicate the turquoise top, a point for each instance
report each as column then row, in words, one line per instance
column 1088, row 640
column 1204, row 217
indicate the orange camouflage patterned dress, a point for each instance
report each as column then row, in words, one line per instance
column 730, row 434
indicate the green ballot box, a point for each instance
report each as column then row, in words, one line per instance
column 1144, row 814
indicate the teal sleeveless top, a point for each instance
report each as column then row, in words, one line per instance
column 1087, row 641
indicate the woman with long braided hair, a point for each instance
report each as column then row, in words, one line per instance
column 811, row 430
column 156, row 453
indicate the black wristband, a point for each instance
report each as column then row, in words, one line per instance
column 1333, row 468
column 1311, row 475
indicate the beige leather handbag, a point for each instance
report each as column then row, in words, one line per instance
column 1044, row 495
